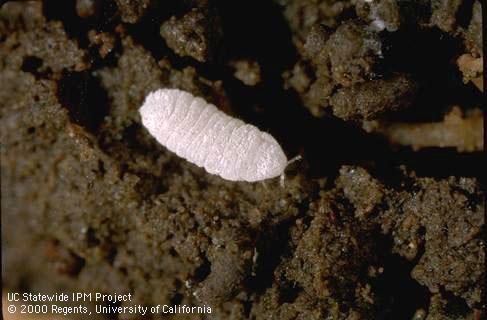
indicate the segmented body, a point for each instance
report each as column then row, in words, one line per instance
column 202, row 134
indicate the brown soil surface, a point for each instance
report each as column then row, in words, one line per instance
column 376, row 221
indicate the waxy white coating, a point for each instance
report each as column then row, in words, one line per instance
column 202, row 134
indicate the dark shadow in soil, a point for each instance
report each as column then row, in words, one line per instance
column 464, row 13
column 82, row 95
column 33, row 65
column 429, row 56
column 203, row 271
column 456, row 307
column 257, row 29
column 397, row 294
column 270, row 257
column 441, row 162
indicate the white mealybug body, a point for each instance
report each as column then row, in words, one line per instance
column 202, row 134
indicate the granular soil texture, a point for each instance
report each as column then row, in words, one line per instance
column 382, row 219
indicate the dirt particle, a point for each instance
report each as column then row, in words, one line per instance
column 247, row 71
column 473, row 36
column 363, row 191
column 352, row 53
column 444, row 14
column 87, row 8
column 382, row 14
column 20, row 16
column 104, row 40
column 370, row 99
column 131, row 11
column 195, row 34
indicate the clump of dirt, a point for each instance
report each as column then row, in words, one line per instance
column 132, row 11
column 370, row 99
column 196, row 34
column 345, row 61
column 473, row 35
column 247, row 71
column 440, row 220
column 367, row 230
column 382, row 14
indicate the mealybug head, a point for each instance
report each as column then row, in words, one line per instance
column 269, row 162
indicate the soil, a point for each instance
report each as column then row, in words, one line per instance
column 376, row 221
